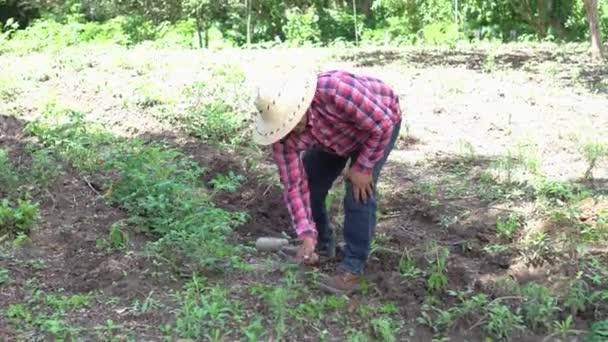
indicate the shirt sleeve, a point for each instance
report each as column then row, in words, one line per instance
column 370, row 115
column 296, row 191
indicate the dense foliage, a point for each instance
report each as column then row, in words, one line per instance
column 192, row 23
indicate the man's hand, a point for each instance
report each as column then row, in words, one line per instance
column 306, row 252
column 362, row 185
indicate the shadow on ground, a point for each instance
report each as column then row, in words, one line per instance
column 592, row 75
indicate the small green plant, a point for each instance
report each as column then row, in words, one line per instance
column 496, row 249
column 443, row 320
column 598, row 332
column 559, row 193
column 467, row 150
column 107, row 332
column 149, row 96
column 357, row 336
column 506, row 226
column 5, row 276
column 593, row 152
column 502, row 322
column 18, row 219
column 577, row 297
column 62, row 303
column 8, row 176
column 118, row 238
column 44, row 169
column 215, row 122
column 203, row 311
column 147, row 305
column 407, row 265
column 539, row 307
column 538, row 249
column 255, row 330
column 489, row 63
column 230, row 182
column 437, row 257
column 562, row 328
column 21, row 240
column 385, row 328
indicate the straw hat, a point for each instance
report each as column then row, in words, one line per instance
column 282, row 100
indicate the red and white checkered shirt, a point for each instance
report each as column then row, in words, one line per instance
column 348, row 113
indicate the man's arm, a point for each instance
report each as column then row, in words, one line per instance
column 296, row 192
column 370, row 115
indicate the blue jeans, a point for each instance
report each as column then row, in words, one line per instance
column 322, row 169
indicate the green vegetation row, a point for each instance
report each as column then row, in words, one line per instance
column 193, row 23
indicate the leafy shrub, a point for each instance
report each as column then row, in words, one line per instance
column 17, row 219
column 65, row 132
column 159, row 187
column 539, row 307
column 440, row 33
column 302, row 27
column 8, row 177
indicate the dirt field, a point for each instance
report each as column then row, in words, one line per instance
column 488, row 134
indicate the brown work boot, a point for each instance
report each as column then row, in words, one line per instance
column 342, row 283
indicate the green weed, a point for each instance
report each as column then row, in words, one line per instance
column 45, row 313
column 44, row 169
column 443, row 320
column 107, row 332
column 437, row 257
column 8, row 177
column 598, row 332
column 357, row 336
column 62, row 303
column 506, row 226
column 556, row 193
column 314, row 309
column 149, row 96
column 407, row 266
column 495, row 249
column 502, row 322
column 577, row 297
column 159, row 187
column 118, row 238
column 5, row 276
column 385, row 328
column 539, row 307
column 64, row 131
column 204, row 311
column 147, row 305
column 593, row 152
column 538, row 249
column 230, row 182
column 19, row 218
column 255, row 330
column 562, row 328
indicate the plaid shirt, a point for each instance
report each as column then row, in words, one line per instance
column 348, row 113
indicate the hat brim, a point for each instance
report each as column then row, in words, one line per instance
column 267, row 133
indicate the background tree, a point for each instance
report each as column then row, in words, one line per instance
column 591, row 7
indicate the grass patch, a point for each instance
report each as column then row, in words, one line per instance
column 47, row 313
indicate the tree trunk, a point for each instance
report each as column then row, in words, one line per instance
column 249, row 22
column 207, row 27
column 355, row 21
column 199, row 29
column 542, row 31
column 591, row 8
